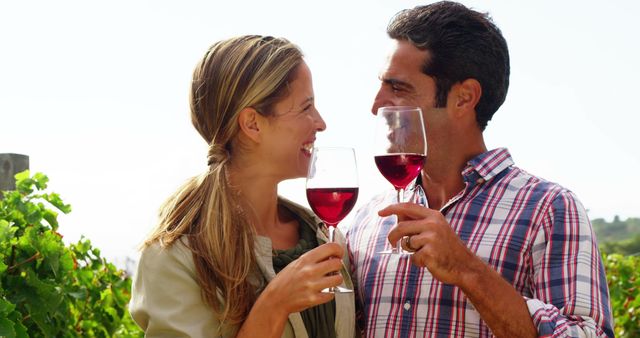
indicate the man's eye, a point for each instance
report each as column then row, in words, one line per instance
column 307, row 108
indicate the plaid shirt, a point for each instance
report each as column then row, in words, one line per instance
column 536, row 234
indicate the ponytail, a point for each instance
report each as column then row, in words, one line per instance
column 206, row 212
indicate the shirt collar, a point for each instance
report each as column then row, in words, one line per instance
column 487, row 165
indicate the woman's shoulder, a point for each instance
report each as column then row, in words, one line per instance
column 166, row 299
column 159, row 256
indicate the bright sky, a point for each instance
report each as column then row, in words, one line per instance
column 96, row 94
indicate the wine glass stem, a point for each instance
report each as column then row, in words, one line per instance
column 398, row 248
column 331, row 238
column 331, row 230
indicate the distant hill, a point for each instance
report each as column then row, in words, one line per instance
column 618, row 236
column 616, row 231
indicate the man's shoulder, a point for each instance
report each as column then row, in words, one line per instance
column 525, row 183
column 526, row 179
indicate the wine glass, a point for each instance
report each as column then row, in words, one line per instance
column 332, row 188
column 400, row 148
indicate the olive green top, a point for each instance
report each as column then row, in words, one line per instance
column 318, row 320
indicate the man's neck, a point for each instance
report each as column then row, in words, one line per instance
column 440, row 188
column 442, row 178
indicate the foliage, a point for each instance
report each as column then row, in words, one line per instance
column 623, row 277
column 48, row 289
column 627, row 247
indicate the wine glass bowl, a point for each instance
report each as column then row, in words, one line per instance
column 332, row 205
column 400, row 148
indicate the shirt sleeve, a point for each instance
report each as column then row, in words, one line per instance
column 570, row 293
column 166, row 299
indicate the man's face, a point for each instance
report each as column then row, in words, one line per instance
column 402, row 80
column 404, row 84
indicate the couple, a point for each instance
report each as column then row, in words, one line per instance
column 497, row 251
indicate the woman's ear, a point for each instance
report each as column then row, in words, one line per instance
column 249, row 123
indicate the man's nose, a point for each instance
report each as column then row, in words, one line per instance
column 378, row 102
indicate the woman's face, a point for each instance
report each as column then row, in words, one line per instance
column 291, row 130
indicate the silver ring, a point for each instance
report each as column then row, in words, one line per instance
column 406, row 241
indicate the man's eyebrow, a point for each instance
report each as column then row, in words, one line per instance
column 395, row 82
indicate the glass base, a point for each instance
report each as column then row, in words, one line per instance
column 336, row 289
column 395, row 252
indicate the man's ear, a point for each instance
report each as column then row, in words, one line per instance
column 249, row 123
column 465, row 95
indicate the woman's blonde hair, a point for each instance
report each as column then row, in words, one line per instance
column 246, row 71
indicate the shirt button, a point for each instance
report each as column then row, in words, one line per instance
column 407, row 306
column 480, row 180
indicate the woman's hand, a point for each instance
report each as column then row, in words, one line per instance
column 298, row 286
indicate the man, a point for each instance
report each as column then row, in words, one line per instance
column 496, row 250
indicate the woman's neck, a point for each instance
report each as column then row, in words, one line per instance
column 259, row 195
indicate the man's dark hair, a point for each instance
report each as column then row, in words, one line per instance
column 461, row 44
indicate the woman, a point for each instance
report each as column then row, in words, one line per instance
column 209, row 268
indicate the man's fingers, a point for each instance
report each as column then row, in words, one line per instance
column 406, row 228
column 408, row 210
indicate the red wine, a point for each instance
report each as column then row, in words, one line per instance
column 332, row 204
column 400, row 169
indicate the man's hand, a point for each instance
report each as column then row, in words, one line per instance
column 436, row 245
column 438, row 248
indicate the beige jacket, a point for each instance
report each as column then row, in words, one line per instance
column 166, row 299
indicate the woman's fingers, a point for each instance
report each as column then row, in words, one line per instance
column 329, row 265
column 328, row 281
column 302, row 281
column 323, row 252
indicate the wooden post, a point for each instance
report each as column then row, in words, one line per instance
column 11, row 164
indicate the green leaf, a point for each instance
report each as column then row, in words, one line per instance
column 66, row 260
column 33, row 214
column 51, row 217
column 23, row 175
column 6, row 307
column 6, row 328
column 80, row 295
column 40, row 181
column 5, row 230
column 24, row 183
column 57, row 202
column 21, row 330
column 3, row 267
